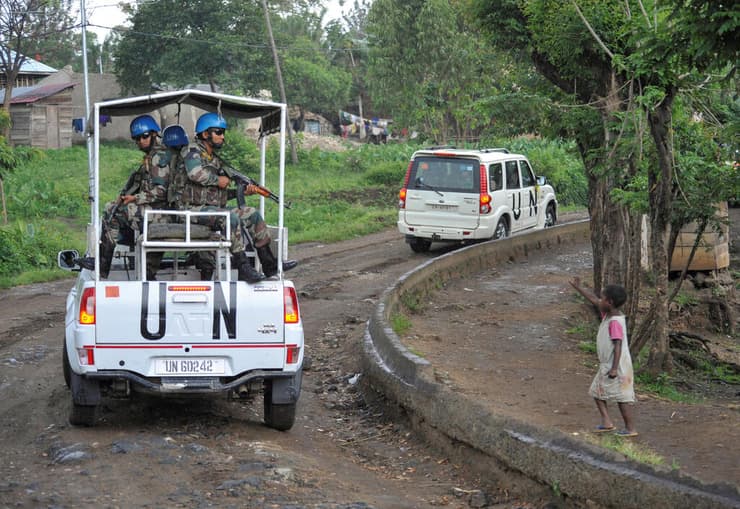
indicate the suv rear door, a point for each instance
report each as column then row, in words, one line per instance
column 443, row 192
column 529, row 195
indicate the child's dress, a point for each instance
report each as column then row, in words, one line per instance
column 620, row 389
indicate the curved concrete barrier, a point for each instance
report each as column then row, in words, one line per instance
column 552, row 459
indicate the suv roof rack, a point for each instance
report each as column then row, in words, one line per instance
column 502, row 150
column 438, row 147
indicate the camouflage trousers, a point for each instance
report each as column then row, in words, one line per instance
column 248, row 216
column 126, row 220
column 121, row 225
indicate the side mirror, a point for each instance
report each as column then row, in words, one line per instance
column 67, row 259
column 541, row 180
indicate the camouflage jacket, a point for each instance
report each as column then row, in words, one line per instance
column 203, row 171
column 151, row 179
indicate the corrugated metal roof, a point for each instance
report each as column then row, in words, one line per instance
column 33, row 94
column 32, row 66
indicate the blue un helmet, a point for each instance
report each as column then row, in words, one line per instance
column 174, row 136
column 142, row 125
column 208, row 121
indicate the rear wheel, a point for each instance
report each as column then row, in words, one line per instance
column 83, row 415
column 420, row 245
column 278, row 416
column 550, row 216
column 502, row 229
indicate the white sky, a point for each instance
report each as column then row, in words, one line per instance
column 107, row 13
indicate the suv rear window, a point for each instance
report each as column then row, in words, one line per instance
column 445, row 174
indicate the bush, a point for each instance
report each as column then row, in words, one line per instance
column 386, row 173
column 28, row 246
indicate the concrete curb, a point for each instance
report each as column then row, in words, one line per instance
column 551, row 458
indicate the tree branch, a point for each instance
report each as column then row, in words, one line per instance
column 591, row 30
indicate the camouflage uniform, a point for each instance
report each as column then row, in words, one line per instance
column 202, row 194
column 148, row 183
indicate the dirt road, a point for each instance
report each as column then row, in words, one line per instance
column 194, row 453
column 342, row 453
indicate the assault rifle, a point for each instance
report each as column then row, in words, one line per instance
column 242, row 181
column 131, row 187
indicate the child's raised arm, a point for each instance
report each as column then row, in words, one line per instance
column 588, row 294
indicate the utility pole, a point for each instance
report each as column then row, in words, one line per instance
column 293, row 152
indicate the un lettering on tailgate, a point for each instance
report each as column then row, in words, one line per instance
column 164, row 312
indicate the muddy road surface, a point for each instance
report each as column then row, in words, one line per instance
column 149, row 452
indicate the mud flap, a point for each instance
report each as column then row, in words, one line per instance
column 287, row 390
column 84, row 391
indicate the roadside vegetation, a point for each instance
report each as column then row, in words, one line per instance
column 334, row 195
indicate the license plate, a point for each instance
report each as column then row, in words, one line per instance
column 196, row 366
column 436, row 206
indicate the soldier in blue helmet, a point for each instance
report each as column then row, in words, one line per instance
column 207, row 188
column 146, row 188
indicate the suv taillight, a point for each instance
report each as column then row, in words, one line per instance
column 290, row 306
column 87, row 306
column 402, row 192
column 485, row 198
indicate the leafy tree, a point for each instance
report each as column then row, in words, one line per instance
column 346, row 41
column 26, row 28
column 624, row 64
column 219, row 42
column 430, row 66
column 312, row 82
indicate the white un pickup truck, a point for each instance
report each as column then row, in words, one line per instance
column 179, row 335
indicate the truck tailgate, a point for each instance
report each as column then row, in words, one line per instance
column 209, row 313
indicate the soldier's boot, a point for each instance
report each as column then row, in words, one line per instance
column 245, row 269
column 269, row 262
column 106, row 256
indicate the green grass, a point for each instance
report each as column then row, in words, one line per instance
column 400, row 324
column 633, row 450
column 587, row 346
column 662, row 387
column 335, row 195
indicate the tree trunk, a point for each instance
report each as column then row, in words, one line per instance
column 660, row 184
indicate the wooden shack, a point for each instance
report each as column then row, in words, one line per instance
column 713, row 251
column 41, row 116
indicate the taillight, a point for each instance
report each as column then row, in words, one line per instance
column 86, row 356
column 402, row 192
column 87, row 306
column 290, row 306
column 485, row 198
column 292, row 353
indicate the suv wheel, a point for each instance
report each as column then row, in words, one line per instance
column 420, row 245
column 502, row 229
column 65, row 364
column 278, row 416
column 550, row 217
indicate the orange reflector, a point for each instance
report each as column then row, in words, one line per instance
column 188, row 288
column 112, row 292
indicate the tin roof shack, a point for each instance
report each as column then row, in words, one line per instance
column 42, row 116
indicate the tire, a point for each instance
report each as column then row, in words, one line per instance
column 66, row 369
column 502, row 229
column 279, row 417
column 82, row 415
column 550, row 216
column 420, row 245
